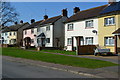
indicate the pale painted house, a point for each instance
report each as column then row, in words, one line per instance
column 51, row 31
column 13, row 35
column 82, row 28
column 31, row 32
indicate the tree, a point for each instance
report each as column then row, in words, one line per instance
column 8, row 15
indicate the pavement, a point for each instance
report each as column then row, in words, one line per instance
column 106, row 72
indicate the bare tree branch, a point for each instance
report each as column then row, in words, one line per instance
column 7, row 14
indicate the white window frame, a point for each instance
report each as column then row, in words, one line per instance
column 109, row 41
column 32, row 31
column 25, row 32
column 47, row 40
column 69, row 41
column 109, row 21
column 10, row 33
column 14, row 33
column 70, row 27
column 48, row 28
column 89, row 40
column 89, row 24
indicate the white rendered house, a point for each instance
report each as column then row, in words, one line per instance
column 51, row 31
column 82, row 28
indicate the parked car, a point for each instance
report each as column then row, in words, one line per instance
column 102, row 52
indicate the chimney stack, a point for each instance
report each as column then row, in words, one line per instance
column 45, row 17
column 111, row 1
column 21, row 21
column 76, row 9
column 64, row 12
column 16, row 23
column 32, row 21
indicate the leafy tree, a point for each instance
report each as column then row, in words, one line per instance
column 8, row 15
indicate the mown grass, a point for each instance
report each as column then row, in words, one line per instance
column 60, row 51
column 57, row 59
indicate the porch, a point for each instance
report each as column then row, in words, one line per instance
column 82, row 47
column 117, row 41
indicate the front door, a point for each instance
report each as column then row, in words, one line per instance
column 43, row 42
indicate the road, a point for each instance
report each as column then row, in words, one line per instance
column 22, row 70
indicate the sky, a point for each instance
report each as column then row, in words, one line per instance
column 36, row 10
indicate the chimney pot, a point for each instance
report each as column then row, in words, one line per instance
column 32, row 20
column 111, row 1
column 64, row 12
column 76, row 9
column 21, row 21
column 45, row 17
column 16, row 23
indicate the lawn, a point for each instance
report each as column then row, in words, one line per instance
column 57, row 51
column 60, row 51
column 57, row 59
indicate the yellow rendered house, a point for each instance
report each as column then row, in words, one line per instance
column 108, row 27
column 12, row 37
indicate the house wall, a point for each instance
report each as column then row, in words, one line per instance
column 20, row 34
column 12, row 36
column 106, row 31
column 48, row 34
column 118, row 27
column 80, row 30
column 6, row 39
column 59, row 32
column 31, row 35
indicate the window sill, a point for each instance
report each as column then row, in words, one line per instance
column 109, row 45
column 109, row 25
column 69, row 45
column 89, row 27
column 69, row 30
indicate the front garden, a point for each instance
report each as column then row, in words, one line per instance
column 57, row 59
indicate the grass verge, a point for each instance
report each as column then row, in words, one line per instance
column 57, row 59
column 60, row 51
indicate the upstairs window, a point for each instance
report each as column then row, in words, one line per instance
column 109, row 21
column 38, row 29
column 89, row 40
column 25, row 32
column 10, row 33
column 6, row 34
column 89, row 24
column 48, row 28
column 2, row 34
column 32, row 31
column 109, row 41
column 69, row 41
column 70, row 27
column 14, row 33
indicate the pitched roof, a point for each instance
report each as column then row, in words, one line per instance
column 113, row 7
column 50, row 20
column 117, row 31
column 33, row 25
column 85, row 14
column 14, row 27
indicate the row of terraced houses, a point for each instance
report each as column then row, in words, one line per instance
column 96, row 26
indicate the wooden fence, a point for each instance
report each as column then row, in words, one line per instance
column 86, row 49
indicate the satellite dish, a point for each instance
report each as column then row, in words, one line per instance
column 94, row 31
